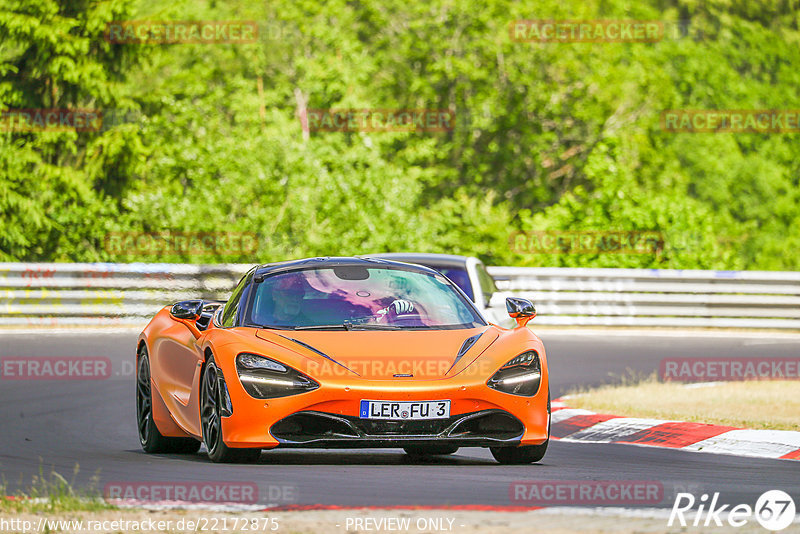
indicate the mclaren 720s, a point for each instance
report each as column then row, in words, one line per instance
column 342, row 353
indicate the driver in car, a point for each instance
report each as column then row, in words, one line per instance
column 397, row 307
column 288, row 294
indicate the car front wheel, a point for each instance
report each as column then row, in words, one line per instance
column 211, row 421
column 520, row 455
column 526, row 454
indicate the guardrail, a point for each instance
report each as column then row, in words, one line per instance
column 655, row 297
column 105, row 293
column 100, row 293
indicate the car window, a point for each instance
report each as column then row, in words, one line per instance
column 360, row 297
column 488, row 287
column 232, row 306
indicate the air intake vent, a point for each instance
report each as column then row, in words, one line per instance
column 468, row 343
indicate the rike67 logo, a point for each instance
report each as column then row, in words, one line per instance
column 774, row 510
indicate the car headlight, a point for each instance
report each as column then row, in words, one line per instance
column 521, row 375
column 264, row 378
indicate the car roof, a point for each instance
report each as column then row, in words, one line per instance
column 441, row 260
column 334, row 261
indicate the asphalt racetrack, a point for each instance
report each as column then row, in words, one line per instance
column 55, row 425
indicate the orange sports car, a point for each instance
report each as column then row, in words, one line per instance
column 342, row 352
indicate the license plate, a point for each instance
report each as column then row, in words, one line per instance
column 404, row 410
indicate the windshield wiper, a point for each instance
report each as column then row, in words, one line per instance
column 347, row 325
column 324, row 327
column 267, row 326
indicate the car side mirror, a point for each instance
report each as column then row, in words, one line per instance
column 521, row 310
column 187, row 309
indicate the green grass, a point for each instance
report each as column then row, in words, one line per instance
column 53, row 493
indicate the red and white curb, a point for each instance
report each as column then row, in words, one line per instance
column 578, row 425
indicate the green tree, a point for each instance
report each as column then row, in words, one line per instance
column 57, row 188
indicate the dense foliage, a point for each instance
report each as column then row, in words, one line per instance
column 548, row 136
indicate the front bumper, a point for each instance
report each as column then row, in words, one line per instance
column 477, row 429
column 328, row 417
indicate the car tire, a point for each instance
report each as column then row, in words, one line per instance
column 527, row 454
column 520, row 455
column 430, row 450
column 211, row 422
column 151, row 440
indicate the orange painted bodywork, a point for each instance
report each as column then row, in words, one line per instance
column 178, row 351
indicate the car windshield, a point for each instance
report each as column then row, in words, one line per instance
column 358, row 297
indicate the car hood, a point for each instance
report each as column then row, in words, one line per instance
column 382, row 355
